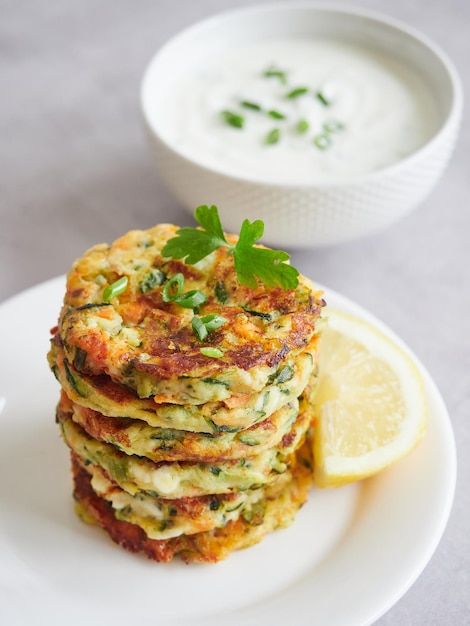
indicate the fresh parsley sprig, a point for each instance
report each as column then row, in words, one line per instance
column 269, row 266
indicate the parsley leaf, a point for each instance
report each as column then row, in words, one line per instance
column 196, row 244
column 269, row 266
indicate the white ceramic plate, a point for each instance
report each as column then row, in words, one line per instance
column 349, row 556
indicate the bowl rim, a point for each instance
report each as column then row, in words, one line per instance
column 450, row 121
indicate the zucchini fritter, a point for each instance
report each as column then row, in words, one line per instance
column 186, row 440
column 238, row 411
column 276, row 511
column 180, row 479
column 148, row 344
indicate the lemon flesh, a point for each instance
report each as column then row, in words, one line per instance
column 370, row 404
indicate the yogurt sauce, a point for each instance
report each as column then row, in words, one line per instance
column 382, row 110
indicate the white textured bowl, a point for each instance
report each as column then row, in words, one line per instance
column 306, row 215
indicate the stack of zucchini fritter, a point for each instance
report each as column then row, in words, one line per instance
column 186, row 398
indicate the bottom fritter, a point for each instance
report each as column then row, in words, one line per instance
column 212, row 546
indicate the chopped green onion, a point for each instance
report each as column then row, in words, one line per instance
column 333, row 126
column 272, row 137
column 173, row 288
column 215, row 353
column 250, row 105
column 322, row 141
column 199, row 328
column 274, row 72
column 202, row 326
column 191, row 299
column 115, row 289
column 213, row 321
column 276, row 115
column 295, row 93
column 233, row 119
column 323, row 100
column 302, row 126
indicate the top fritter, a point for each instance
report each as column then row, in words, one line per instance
column 182, row 333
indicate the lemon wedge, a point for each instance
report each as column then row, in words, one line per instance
column 370, row 404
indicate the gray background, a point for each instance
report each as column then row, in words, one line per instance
column 75, row 170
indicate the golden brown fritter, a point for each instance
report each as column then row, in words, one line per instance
column 149, row 345
column 179, row 479
column 240, row 411
column 210, row 546
column 185, row 443
column 164, row 444
column 163, row 518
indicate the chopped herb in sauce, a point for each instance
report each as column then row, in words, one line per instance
column 298, row 91
column 333, row 126
column 274, row 72
column 272, row 137
column 319, row 95
column 250, row 105
column 233, row 119
column 323, row 141
column 302, row 126
column 277, row 115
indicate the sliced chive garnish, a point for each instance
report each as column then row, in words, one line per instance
column 333, row 126
column 173, row 289
column 323, row 141
column 272, row 137
column 322, row 99
column 202, row 326
column 302, row 126
column 213, row 321
column 191, row 299
column 277, row 115
column 274, row 72
column 295, row 93
column 233, row 119
column 250, row 105
column 115, row 289
column 199, row 328
column 215, row 353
